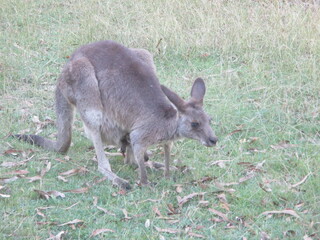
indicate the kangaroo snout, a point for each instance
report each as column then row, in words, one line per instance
column 212, row 141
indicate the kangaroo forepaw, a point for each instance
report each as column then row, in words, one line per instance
column 167, row 175
column 121, row 183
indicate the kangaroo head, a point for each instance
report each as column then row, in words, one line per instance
column 193, row 123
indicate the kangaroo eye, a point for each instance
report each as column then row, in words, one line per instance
column 195, row 124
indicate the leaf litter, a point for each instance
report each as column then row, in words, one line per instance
column 56, row 237
column 283, row 145
column 159, row 214
column 185, row 199
column 78, row 190
column 220, row 214
column 105, row 211
column 99, row 231
column 168, row 230
column 282, row 212
column 73, row 222
column 73, row 172
column 49, row 194
column 301, row 182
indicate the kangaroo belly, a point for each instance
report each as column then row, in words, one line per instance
column 112, row 133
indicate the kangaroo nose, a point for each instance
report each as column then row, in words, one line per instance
column 213, row 140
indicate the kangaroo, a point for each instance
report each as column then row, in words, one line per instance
column 121, row 102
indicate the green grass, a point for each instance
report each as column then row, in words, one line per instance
column 260, row 61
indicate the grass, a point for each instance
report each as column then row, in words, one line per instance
column 260, row 61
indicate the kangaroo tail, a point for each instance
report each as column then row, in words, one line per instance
column 64, row 111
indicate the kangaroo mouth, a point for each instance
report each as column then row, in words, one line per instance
column 212, row 141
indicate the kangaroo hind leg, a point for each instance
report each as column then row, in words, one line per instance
column 88, row 101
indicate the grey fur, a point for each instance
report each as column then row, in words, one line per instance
column 120, row 100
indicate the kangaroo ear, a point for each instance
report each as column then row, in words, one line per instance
column 174, row 98
column 198, row 90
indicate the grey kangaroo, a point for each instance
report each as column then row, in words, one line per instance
column 121, row 102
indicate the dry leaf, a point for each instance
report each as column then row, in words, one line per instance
column 47, row 195
column 147, row 223
column 60, row 160
column 9, row 180
column 159, row 215
column 113, row 154
column 216, row 220
column 286, row 211
column 247, row 177
column 220, row 214
column 179, row 188
column 34, row 178
column 225, row 206
column 204, row 203
column 17, row 172
column 106, row 211
column 62, row 179
column 264, row 236
column 306, row 237
column 67, row 208
column 167, row 230
column 46, row 169
column 56, row 237
column 221, row 184
column 259, row 166
column 234, row 131
column 187, row 198
column 283, row 145
column 173, row 221
column 265, row 188
column 99, row 181
column 126, row 217
column 72, row 172
column 13, row 164
column 255, row 150
column 4, row 195
column 13, row 152
column 56, row 194
column 220, row 163
column 157, row 212
column 222, row 198
column 299, row 205
column 289, row 234
column 40, row 213
column 150, row 200
column 171, row 209
column 301, row 182
column 99, row 231
column 44, row 208
column 192, row 234
column 95, row 201
column 46, row 223
column 205, row 179
column 122, row 192
column 78, row 190
column 73, row 222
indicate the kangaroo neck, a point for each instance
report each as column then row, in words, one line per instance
column 176, row 133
